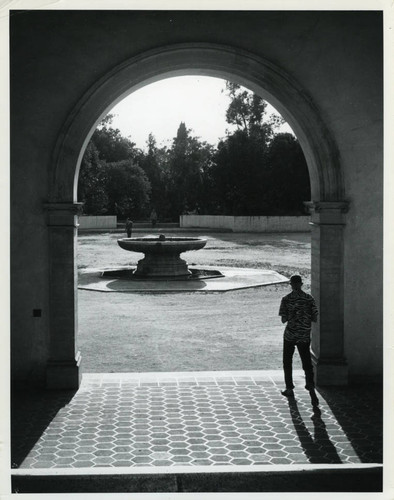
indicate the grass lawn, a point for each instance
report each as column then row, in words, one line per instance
column 236, row 330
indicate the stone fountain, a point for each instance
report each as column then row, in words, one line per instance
column 162, row 255
column 162, row 259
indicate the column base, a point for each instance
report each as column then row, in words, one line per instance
column 64, row 374
column 330, row 371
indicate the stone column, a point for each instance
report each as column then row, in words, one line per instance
column 63, row 368
column 327, row 221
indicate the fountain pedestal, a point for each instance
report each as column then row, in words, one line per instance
column 160, row 266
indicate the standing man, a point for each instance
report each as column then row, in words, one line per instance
column 129, row 227
column 298, row 309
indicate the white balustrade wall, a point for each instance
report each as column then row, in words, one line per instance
column 246, row 224
column 97, row 221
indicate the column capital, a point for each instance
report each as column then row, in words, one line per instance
column 327, row 212
column 63, row 214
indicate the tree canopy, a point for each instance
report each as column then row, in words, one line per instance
column 251, row 175
column 110, row 179
column 254, row 170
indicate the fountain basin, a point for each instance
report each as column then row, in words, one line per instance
column 196, row 274
column 162, row 255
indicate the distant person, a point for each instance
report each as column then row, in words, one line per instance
column 298, row 309
column 129, row 227
column 153, row 217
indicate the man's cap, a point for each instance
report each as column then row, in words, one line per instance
column 296, row 279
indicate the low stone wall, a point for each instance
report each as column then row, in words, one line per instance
column 255, row 224
column 97, row 221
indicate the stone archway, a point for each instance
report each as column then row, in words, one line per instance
column 327, row 207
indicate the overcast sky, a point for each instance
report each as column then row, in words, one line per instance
column 199, row 101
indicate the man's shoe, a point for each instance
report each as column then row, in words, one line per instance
column 289, row 393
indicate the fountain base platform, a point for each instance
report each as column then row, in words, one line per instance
column 193, row 274
column 234, row 278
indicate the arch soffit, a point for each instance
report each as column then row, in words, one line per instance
column 260, row 75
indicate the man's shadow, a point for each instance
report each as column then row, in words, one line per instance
column 318, row 448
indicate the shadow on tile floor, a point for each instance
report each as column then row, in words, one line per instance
column 318, row 447
column 31, row 413
column 358, row 409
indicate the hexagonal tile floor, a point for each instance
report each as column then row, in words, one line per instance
column 195, row 419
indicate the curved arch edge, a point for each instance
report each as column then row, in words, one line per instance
column 260, row 75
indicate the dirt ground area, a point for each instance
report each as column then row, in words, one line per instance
column 235, row 330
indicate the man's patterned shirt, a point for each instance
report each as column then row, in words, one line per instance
column 299, row 308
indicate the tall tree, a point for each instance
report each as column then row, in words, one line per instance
column 239, row 178
column 248, row 112
column 128, row 190
column 249, row 167
column 112, row 146
column 188, row 160
column 290, row 183
column 105, row 150
column 153, row 162
column 92, row 180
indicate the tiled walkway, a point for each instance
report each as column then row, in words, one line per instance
column 194, row 419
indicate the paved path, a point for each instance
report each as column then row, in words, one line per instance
column 200, row 420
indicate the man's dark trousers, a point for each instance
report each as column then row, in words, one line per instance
column 305, row 355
